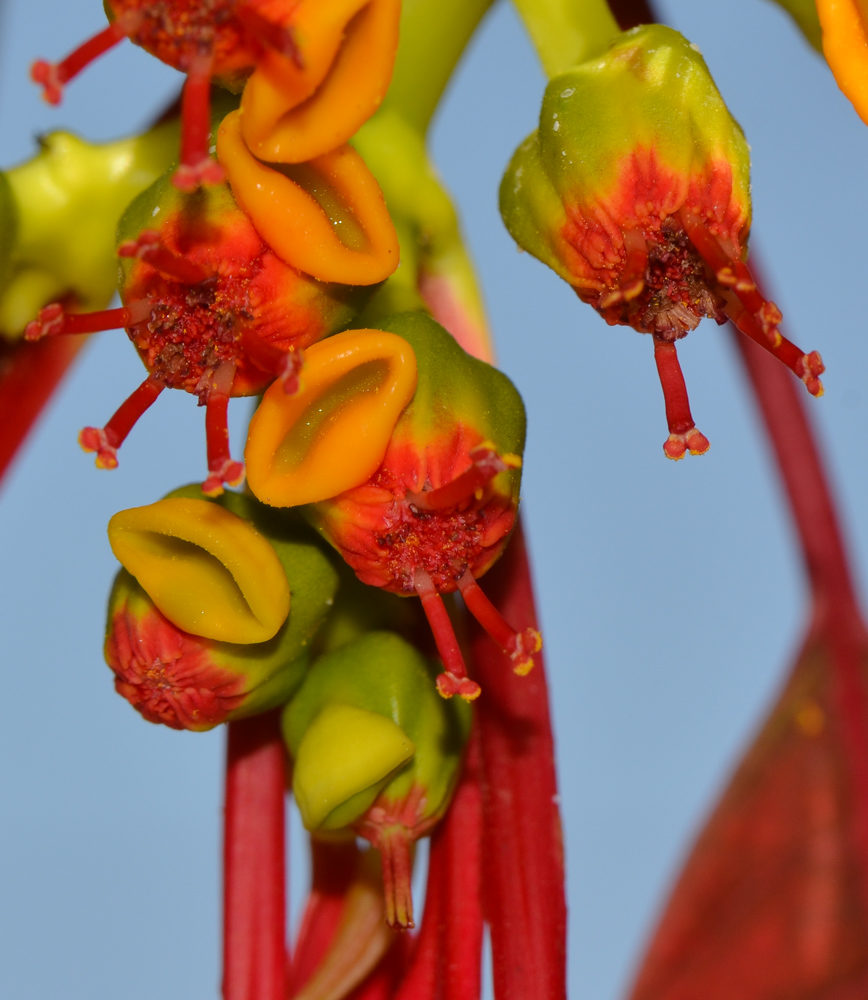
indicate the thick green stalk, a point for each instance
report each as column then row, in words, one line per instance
column 434, row 34
column 567, row 32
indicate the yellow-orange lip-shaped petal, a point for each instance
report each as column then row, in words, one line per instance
column 207, row 570
column 292, row 113
column 333, row 434
column 845, row 46
column 327, row 218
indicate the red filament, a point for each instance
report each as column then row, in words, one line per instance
column 196, row 166
column 518, row 646
column 683, row 436
column 454, row 680
column 53, row 76
column 105, row 441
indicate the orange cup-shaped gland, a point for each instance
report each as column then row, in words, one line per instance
column 327, row 218
column 292, row 111
column 333, row 434
column 845, row 46
column 206, row 569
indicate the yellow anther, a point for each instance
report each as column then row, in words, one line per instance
column 333, row 434
column 303, row 220
column 207, row 570
column 292, row 113
column 344, row 759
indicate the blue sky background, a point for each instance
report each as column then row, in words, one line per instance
column 671, row 595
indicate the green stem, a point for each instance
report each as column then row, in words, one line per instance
column 567, row 32
column 434, row 34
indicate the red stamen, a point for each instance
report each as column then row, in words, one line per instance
column 486, row 465
column 632, row 281
column 734, row 275
column 53, row 76
column 683, row 435
column 105, row 441
column 286, row 365
column 254, row 865
column 518, row 646
column 807, row 367
column 221, row 468
column 275, row 36
column 397, row 866
column 197, row 166
column 149, row 247
column 53, row 321
column 454, row 680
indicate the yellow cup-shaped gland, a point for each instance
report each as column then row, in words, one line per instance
column 845, row 46
column 207, row 570
column 292, row 113
column 346, row 756
column 327, row 217
column 332, row 435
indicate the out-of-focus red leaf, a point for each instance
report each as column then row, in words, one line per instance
column 29, row 374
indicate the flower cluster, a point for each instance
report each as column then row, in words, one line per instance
column 330, row 613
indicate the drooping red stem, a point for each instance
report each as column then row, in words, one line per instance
column 254, row 867
column 29, row 374
column 523, row 865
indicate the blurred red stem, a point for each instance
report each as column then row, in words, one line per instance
column 254, row 867
column 29, row 374
column 523, row 866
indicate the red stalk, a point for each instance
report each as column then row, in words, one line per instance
column 254, row 866
column 29, row 374
column 523, row 865
column 445, row 963
column 333, row 869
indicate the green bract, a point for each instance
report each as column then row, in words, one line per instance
column 368, row 723
column 68, row 199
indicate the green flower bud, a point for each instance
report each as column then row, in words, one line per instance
column 190, row 680
column 636, row 190
column 375, row 747
column 68, row 199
